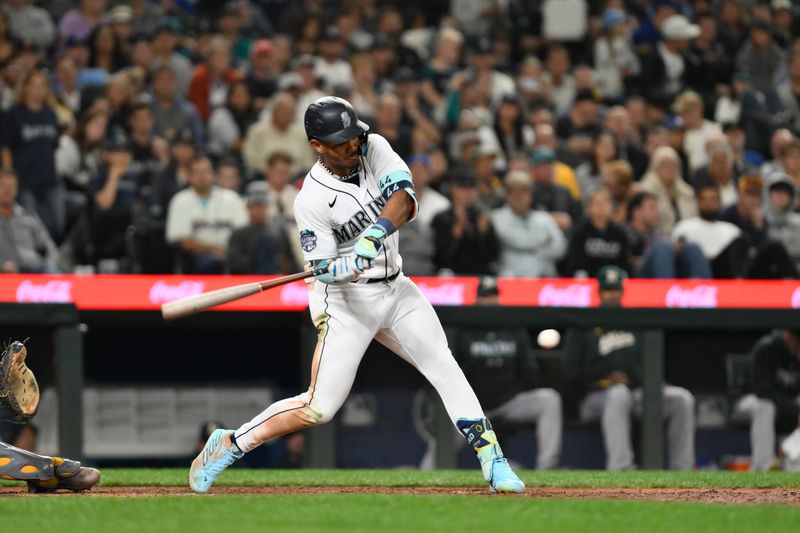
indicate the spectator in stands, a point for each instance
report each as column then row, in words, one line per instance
column 772, row 406
column 512, row 386
column 665, row 66
column 105, row 51
column 652, row 253
column 514, row 135
column 175, row 176
column 211, row 79
column 606, row 363
column 789, row 159
column 614, row 58
column 80, row 22
column 617, row 178
column 330, row 68
column 676, row 200
column 8, row 44
column 597, row 241
column 201, row 219
column 710, row 66
column 629, row 148
column 789, row 92
column 530, row 241
column 719, row 171
column 604, row 150
column 29, row 24
column 697, row 129
column 559, row 79
column 778, row 140
column 761, row 56
column 229, row 124
column 172, row 113
column 165, row 43
column 466, row 243
column 261, row 78
column 281, row 192
column 417, row 238
column 25, row 244
column 769, row 259
column 150, row 152
column 721, row 242
column 228, row 175
column 260, row 247
column 444, row 63
column 547, row 194
column 388, row 123
column 564, row 175
column 30, row 139
column 490, row 186
column 580, row 125
column 783, row 224
column 277, row 134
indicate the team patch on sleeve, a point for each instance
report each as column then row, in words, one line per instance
column 308, row 240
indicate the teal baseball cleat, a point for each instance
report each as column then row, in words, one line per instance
column 496, row 470
column 217, row 455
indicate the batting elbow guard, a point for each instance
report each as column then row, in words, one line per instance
column 399, row 181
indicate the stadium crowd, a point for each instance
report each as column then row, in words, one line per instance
column 545, row 137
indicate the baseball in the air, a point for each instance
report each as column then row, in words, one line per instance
column 548, row 338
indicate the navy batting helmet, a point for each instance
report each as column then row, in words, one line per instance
column 333, row 120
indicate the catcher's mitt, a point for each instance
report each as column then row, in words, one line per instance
column 19, row 392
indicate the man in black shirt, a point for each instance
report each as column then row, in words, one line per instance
column 597, row 241
column 465, row 239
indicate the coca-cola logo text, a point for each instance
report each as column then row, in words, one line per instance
column 444, row 294
column 796, row 299
column 54, row 291
column 700, row 296
column 573, row 295
column 162, row 292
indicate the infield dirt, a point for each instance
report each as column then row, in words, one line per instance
column 697, row 495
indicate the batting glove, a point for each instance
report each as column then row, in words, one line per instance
column 346, row 268
column 371, row 242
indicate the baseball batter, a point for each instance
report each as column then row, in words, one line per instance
column 353, row 201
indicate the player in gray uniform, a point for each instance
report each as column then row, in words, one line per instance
column 608, row 362
column 353, row 201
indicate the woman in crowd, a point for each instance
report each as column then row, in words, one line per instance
column 663, row 178
column 604, row 150
column 228, row 124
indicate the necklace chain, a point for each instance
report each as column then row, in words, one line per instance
column 353, row 172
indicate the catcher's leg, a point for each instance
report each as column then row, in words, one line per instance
column 22, row 465
column 43, row 473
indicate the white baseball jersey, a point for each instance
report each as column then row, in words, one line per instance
column 331, row 213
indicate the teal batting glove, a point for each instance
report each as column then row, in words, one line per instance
column 371, row 242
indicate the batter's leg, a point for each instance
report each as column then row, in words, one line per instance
column 342, row 340
column 412, row 330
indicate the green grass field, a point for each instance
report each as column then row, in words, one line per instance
column 401, row 512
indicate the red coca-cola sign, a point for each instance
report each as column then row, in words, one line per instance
column 53, row 291
column 572, row 295
column 162, row 291
column 698, row 296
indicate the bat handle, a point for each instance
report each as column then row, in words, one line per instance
column 319, row 271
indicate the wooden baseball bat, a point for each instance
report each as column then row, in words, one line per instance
column 201, row 302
